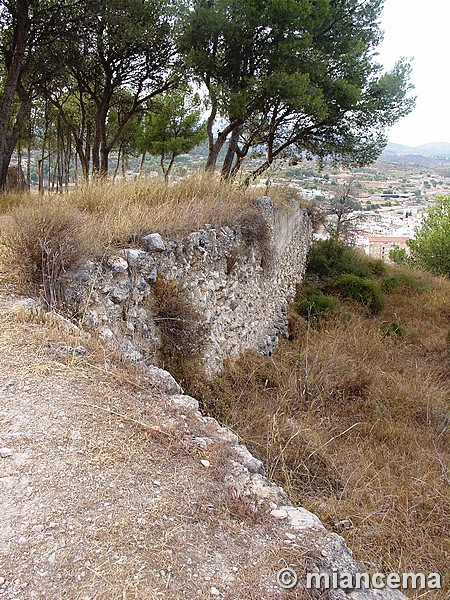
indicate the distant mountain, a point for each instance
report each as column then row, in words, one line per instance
column 433, row 149
column 397, row 148
column 435, row 154
column 439, row 149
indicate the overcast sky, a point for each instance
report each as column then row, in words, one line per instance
column 421, row 29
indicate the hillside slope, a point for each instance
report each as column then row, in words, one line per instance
column 112, row 488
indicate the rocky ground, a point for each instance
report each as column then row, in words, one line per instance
column 114, row 486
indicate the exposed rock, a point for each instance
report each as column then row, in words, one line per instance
column 164, row 380
column 249, row 461
column 184, row 402
column 117, row 264
column 300, row 518
column 153, row 242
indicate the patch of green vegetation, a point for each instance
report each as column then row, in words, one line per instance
column 362, row 289
column 315, row 303
column 394, row 329
column 402, row 282
column 329, row 258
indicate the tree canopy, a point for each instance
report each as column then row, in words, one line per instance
column 172, row 128
column 280, row 77
column 431, row 246
column 290, row 76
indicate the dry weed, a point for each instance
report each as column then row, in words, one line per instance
column 43, row 240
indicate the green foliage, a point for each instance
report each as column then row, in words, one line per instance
column 377, row 266
column 282, row 77
column 329, row 258
column 365, row 291
column 174, row 127
column 315, row 303
column 124, row 56
column 295, row 76
column 398, row 255
column 402, row 282
column 394, row 329
column 431, row 247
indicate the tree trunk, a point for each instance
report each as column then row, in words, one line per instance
column 7, row 148
column 29, row 166
column 100, row 149
column 256, row 173
column 237, row 166
column 116, row 170
column 7, row 142
column 231, row 153
column 217, row 146
column 141, row 166
column 96, row 150
column 166, row 170
column 123, row 164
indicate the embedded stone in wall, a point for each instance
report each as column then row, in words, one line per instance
column 153, row 242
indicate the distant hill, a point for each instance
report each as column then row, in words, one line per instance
column 439, row 149
column 434, row 153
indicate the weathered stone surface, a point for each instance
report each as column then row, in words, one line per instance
column 164, row 380
column 249, row 461
column 153, row 242
column 6, row 452
column 184, row 402
column 117, row 264
column 300, row 518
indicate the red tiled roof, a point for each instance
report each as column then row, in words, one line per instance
column 387, row 239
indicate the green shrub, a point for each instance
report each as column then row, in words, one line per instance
column 431, row 247
column 393, row 329
column 398, row 255
column 363, row 290
column 403, row 282
column 329, row 258
column 315, row 303
column 377, row 266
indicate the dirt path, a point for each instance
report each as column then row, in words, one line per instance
column 103, row 493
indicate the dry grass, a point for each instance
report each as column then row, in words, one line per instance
column 45, row 235
column 43, row 240
column 123, row 211
column 9, row 200
column 354, row 425
column 181, row 327
column 130, row 209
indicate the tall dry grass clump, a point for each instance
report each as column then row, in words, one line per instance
column 43, row 240
column 46, row 235
column 125, row 210
column 181, row 327
column 9, row 200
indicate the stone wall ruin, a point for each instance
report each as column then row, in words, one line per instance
column 239, row 284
